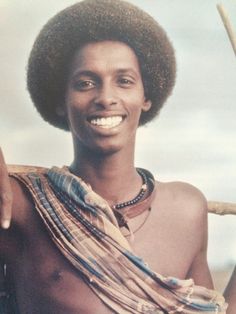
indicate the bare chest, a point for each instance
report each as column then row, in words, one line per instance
column 47, row 283
column 163, row 243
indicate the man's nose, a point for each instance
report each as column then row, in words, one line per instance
column 106, row 96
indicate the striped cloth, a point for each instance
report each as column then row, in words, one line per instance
column 85, row 230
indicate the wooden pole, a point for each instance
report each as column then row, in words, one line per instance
column 228, row 26
column 221, row 208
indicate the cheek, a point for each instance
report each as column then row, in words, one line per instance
column 138, row 99
column 73, row 103
column 137, row 105
column 74, row 117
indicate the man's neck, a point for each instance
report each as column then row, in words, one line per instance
column 113, row 176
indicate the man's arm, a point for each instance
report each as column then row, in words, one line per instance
column 230, row 293
column 3, row 295
column 6, row 196
column 6, row 199
column 199, row 269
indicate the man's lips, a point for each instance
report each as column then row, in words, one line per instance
column 106, row 122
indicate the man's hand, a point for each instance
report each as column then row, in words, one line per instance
column 6, row 196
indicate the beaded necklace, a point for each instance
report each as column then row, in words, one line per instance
column 138, row 205
column 139, row 196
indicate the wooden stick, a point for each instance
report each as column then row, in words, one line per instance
column 24, row 168
column 228, row 26
column 221, row 208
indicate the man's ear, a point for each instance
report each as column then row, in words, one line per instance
column 146, row 105
column 60, row 111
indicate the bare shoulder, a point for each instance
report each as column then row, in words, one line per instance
column 181, row 198
column 182, row 210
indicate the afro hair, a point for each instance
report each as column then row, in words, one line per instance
column 91, row 21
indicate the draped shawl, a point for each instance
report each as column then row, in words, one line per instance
column 84, row 228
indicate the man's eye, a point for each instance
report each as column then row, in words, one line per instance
column 125, row 82
column 84, row 85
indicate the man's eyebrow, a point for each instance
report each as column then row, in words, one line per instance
column 93, row 74
column 83, row 73
column 126, row 70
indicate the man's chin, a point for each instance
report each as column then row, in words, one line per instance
column 106, row 150
column 105, row 146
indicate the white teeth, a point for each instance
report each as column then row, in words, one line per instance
column 106, row 123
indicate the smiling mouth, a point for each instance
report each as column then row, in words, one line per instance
column 106, row 122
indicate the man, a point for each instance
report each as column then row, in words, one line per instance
column 100, row 69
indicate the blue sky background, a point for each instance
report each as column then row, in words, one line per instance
column 194, row 137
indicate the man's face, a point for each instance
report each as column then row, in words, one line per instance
column 105, row 96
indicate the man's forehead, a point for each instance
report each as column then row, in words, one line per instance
column 105, row 55
column 107, row 47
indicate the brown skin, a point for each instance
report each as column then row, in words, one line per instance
column 230, row 293
column 6, row 196
column 173, row 240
